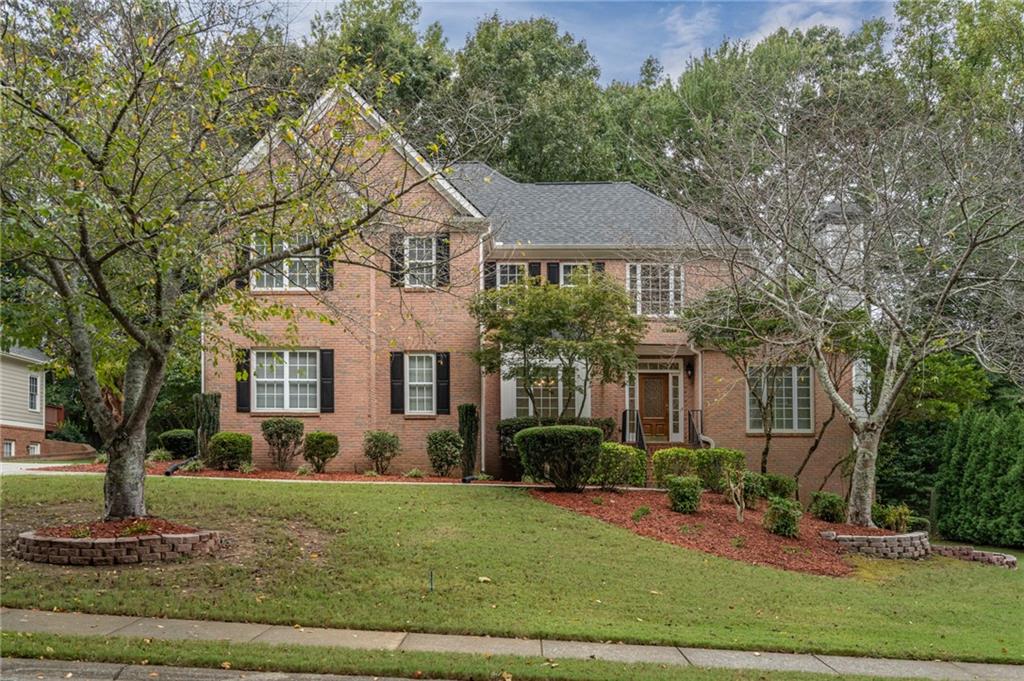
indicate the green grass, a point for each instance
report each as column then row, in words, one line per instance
column 360, row 556
column 317, row 660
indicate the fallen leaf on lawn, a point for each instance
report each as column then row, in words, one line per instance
column 656, row 593
column 505, row 676
column 154, row 674
column 225, row 665
column 483, row 580
column 68, row 675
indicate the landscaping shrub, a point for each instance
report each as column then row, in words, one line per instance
column 684, row 492
column 507, row 429
column 193, row 466
column 180, row 442
column 320, row 447
column 782, row 486
column 469, row 431
column 566, row 456
column 101, row 458
column 67, row 431
column 206, row 409
column 753, row 489
column 919, row 524
column 619, row 465
column 159, row 455
column 284, row 435
column 380, row 447
column 413, row 473
column 229, row 451
column 828, row 507
column 304, row 469
column 707, row 464
column 783, row 517
column 444, row 449
column 895, row 517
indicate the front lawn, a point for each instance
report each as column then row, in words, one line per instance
column 361, row 555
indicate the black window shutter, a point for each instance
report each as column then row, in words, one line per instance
column 490, row 275
column 443, row 378
column 326, row 381
column 533, row 269
column 397, row 251
column 326, row 270
column 553, row 272
column 243, row 376
column 242, row 259
column 397, row 383
column 442, row 255
column 599, row 267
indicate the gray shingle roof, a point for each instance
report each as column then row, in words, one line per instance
column 597, row 214
column 30, row 354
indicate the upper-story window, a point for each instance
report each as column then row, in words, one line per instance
column 286, row 380
column 509, row 274
column 657, row 288
column 570, row 269
column 291, row 274
column 420, row 261
column 789, row 391
column 33, row 392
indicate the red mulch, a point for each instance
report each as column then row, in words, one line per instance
column 128, row 527
column 713, row 529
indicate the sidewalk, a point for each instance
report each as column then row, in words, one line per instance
column 172, row 629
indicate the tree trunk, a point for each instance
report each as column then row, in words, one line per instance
column 124, row 485
column 764, row 452
column 862, row 489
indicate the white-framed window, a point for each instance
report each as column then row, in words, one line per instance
column 657, row 288
column 790, row 393
column 509, row 274
column 291, row 274
column 8, row 449
column 286, row 380
column 568, row 269
column 33, row 392
column 34, row 449
column 420, row 261
column 550, row 394
column 420, row 383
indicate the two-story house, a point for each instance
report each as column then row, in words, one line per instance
column 400, row 358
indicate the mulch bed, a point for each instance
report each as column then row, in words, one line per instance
column 111, row 529
column 713, row 529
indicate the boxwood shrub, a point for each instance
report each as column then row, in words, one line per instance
column 619, row 465
column 444, row 449
column 783, row 517
column 229, row 451
column 507, row 429
column 706, row 464
column 828, row 506
column 684, row 492
column 319, row 448
column 180, row 442
column 776, row 485
column 565, row 456
column 753, row 489
column 380, row 447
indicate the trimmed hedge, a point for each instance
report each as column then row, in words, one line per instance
column 181, row 442
column 619, row 465
column 706, row 464
column 319, row 448
column 229, row 451
column 444, row 449
column 783, row 517
column 380, row 447
column 507, row 429
column 776, row 485
column 684, row 492
column 828, row 507
column 565, row 456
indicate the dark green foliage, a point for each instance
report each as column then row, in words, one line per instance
column 707, row 464
column 68, row 432
column 319, row 448
column 229, row 451
column 444, row 449
column 619, row 465
column 180, row 442
column 284, row 435
column 469, row 430
column 565, row 456
column 507, row 429
column 828, row 506
column 158, row 455
column 919, row 524
column 207, row 418
column 640, row 513
column 908, row 461
column 779, row 486
column 684, row 492
column 980, row 484
column 783, row 517
column 380, row 447
column 753, row 489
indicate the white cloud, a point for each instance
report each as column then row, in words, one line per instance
column 689, row 33
column 803, row 15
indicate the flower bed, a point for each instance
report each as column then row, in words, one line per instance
column 713, row 529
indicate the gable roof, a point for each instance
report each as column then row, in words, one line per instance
column 414, row 158
column 577, row 214
column 28, row 354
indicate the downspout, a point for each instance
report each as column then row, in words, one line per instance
column 483, row 376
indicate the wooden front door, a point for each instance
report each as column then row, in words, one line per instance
column 654, row 404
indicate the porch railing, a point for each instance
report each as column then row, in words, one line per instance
column 695, row 427
column 631, row 423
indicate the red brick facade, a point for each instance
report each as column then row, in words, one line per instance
column 21, row 439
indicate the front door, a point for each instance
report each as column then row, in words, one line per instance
column 654, row 405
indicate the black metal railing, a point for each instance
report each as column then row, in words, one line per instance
column 632, row 416
column 695, row 427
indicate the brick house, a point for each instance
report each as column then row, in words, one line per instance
column 400, row 358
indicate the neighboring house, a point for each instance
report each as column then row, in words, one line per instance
column 401, row 359
column 22, row 402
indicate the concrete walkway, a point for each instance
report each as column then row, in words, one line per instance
column 237, row 632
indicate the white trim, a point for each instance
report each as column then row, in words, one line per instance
column 11, row 423
column 433, row 383
column 39, row 392
column 287, row 393
column 810, row 387
column 508, row 393
column 523, row 267
column 37, row 445
column 677, row 275
column 561, row 271
column 674, row 405
column 10, row 449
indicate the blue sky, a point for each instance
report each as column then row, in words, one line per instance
column 622, row 34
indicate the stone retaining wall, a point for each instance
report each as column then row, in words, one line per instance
column 911, row 545
column 968, row 553
column 145, row 548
